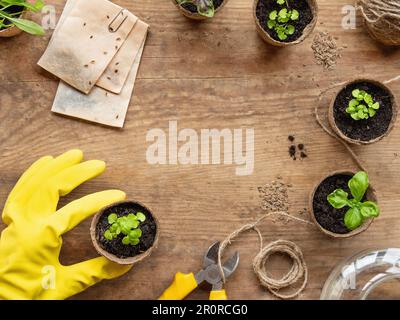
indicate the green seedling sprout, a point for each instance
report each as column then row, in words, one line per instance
column 204, row 7
column 280, row 21
column 8, row 20
column 127, row 225
column 358, row 211
column 362, row 106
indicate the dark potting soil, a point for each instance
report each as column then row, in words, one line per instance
column 363, row 130
column 265, row 7
column 12, row 10
column 115, row 246
column 193, row 9
column 327, row 216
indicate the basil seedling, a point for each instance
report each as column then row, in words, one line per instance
column 204, row 7
column 362, row 106
column 358, row 211
column 127, row 225
column 8, row 20
column 280, row 20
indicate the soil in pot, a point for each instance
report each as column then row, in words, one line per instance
column 265, row 7
column 115, row 246
column 193, row 9
column 365, row 129
column 327, row 216
column 12, row 10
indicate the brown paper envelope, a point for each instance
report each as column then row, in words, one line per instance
column 114, row 77
column 86, row 42
column 100, row 105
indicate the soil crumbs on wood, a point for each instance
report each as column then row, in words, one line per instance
column 363, row 130
column 115, row 246
column 296, row 151
column 265, row 7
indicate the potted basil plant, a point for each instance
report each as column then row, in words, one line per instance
column 13, row 17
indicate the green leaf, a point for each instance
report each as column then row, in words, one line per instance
column 283, row 13
column 369, row 209
column 281, row 2
column 271, row 24
column 360, row 114
column 353, row 218
column 358, row 185
column 205, row 8
column 108, row 235
column 125, row 240
column 368, row 98
column 141, row 217
column 112, row 218
column 134, row 242
column 290, row 29
column 338, row 198
column 25, row 25
column 350, row 109
column 282, row 35
column 355, row 116
column 356, row 93
column 273, row 15
column 137, row 233
column 295, row 15
column 354, row 103
column 114, row 227
column 371, row 112
column 375, row 106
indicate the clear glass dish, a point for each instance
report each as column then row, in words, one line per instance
column 368, row 275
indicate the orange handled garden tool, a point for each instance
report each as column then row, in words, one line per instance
column 184, row 284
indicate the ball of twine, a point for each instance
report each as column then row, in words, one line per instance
column 297, row 271
column 382, row 18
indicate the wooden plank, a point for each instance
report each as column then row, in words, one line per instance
column 217, row 74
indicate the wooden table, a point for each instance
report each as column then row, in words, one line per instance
column 216, row 74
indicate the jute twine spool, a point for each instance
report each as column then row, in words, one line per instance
column 382, row 19
column 297, row 272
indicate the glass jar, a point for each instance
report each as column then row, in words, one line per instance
column 368, row 275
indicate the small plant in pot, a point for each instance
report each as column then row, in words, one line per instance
column 125, row 232
column 363, row 111
column 12, row 17
column 285, row 22
column 199, row 9
column 343, row 204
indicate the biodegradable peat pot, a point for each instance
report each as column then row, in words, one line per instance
column 190, row 10
column 328, row 219
column 363, row 131
column 114, row 250
column 308, row 10
column 12, row 31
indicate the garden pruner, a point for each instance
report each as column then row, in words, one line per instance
column 184, row 284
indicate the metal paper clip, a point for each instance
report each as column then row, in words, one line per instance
column 114, row 26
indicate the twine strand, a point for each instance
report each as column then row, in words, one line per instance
column 298, row 270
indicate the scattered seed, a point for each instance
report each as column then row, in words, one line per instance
column 117, row 116
column 86, row 65
column 93, row 62
column 108, row 17
column 274, row 196
column 106, row 93
column 116, row 47
column 116, row 71
column 91, row 37
column 109, row 78
column 105, row 52
column 118, row 39
column 90, row 83
column 117, row 63
column 84, row 24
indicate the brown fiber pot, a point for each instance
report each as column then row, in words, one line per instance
column 196, row 16
column 370, row 195
column 12, row 31
column 112, row 257
column 358, row 142
column 307, row 31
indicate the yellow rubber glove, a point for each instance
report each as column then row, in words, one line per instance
column 30, row 245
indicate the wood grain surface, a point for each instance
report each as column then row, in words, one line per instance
column 214, row 74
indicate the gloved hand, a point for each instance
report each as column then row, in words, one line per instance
column 30, row 245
